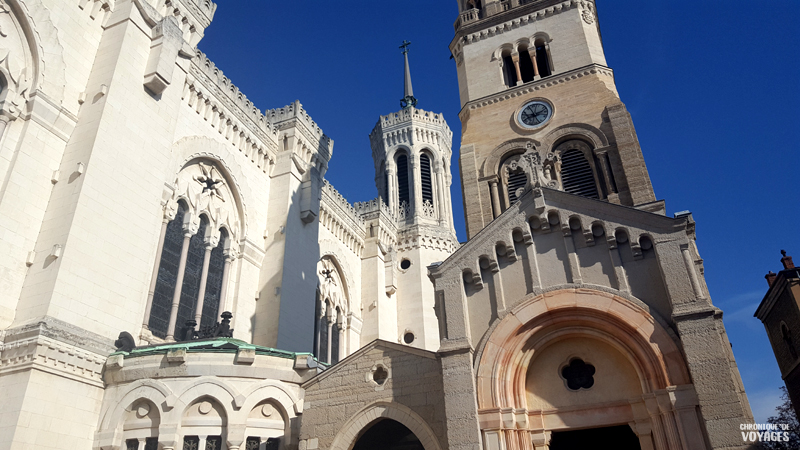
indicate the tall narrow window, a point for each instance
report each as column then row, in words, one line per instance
column 335, row 338
column 509, row 71
column 402, row 179
column 427, row 186
column 525, row 65
column 167, row 274
column 191, row 275
column 216, row 266
column 385, row 193
column 542, row 61
column 577, row 175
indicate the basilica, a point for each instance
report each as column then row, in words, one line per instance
column 176, row 273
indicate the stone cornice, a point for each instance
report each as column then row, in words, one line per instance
column 55, row 347
column 532, row 86
column 509, row 20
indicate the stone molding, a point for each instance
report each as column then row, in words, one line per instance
column 429, row 237
column 533, row 86
column 55, row 347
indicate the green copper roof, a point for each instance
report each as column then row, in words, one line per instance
column 215, row 345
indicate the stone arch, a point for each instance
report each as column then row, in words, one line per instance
column 152, row 390
column 348, row 433
column 211, row 387
column 192, row 148
column 328, row 248
column 275, row 393
column 627, row 325
column 491, row 165
column 49, row 71
column 594, row 137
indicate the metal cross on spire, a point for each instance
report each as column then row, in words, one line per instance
column 408, row 100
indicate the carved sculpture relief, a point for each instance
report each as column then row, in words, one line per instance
column 205, row 190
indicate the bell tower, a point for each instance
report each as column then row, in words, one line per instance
column 411, row 149
column 533, row 79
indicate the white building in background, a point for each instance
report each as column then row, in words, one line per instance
column 141, row 192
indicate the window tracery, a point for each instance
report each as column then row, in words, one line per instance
column 201, row 222
column 332, row 311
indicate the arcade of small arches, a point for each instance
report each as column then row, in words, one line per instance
column 414, row 184
column 572, row 165
column 206, row 415
column 630, row 382
column 525, row 60
column 196, row 249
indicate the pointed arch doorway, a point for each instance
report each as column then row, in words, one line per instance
column 388, row 434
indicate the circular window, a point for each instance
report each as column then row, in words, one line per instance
column 535, row 114
column 408, row 337
column 405, row 264
column 380, row 375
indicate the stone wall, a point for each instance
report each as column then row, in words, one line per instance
column 345, row 400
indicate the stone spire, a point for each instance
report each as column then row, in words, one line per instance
column 408, row 100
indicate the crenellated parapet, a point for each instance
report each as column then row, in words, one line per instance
column 214, row 97
column 194, row 16
column 310, row 135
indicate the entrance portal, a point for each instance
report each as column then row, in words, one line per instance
column 609, row 438
column 388, row 434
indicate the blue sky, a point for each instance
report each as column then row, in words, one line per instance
column 713, row 88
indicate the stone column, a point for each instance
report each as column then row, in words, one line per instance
column 201, row 294
column 496, row 209
column 140, row 446
column 416, row 186
column 176, row 297
column 441, row 209
column 602, row 156
column 515, row 58
column 341, row 337
column 226, row 272
column 532, row 54
column 154, row 278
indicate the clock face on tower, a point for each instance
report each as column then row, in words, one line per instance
column 535, row 114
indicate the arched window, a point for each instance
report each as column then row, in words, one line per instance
column 525, row 64
column 512, row 177
column 167, row 274
column 577, row 176
column 384, row 183
column 509, row 70
column 543, row 59
column 402, row 180
column 332, row 311
column 190, row 277
column 425, row 176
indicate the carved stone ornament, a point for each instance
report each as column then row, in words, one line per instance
column 541, row 171
column 206, row 192
column 15, row 63
column 588, row 16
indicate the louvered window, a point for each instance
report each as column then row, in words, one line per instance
column 427, row 188
column 402, row 178
column 577, row 175
column 516, row 181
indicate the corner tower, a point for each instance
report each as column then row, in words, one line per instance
column 533, row 77
column 411, row 149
